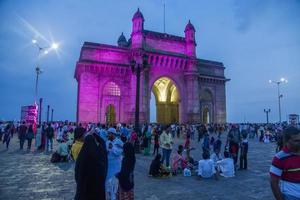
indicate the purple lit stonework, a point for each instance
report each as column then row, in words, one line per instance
column 186, row 89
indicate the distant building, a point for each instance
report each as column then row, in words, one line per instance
column 186, row 89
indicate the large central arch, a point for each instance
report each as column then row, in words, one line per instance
column 167, row 100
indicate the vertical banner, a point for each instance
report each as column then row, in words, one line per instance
column 29, row 115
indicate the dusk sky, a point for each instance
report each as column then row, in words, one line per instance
column 256, row 40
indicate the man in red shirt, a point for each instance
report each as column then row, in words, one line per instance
column 285, row 168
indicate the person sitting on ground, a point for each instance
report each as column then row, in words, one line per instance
column 178, row 161
column 63, row 150
column 155, row 166
column 206, row 168
column 226, row 165
column 157, row 169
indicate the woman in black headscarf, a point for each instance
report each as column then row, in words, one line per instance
column 91, row 169
column 125, row 176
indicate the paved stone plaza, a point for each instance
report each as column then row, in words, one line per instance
column 30, row 175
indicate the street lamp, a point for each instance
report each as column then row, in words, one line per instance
column 138, row 64
column 267, row 111
column 282, row 80
column 41, row 50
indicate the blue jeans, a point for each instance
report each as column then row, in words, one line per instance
column 166, row 156
column 49, row 140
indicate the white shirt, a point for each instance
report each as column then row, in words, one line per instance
column 227, row 167
column 206, row 168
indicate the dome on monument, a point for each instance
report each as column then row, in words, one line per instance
column 122, row 42
column 137, row 15
column 189, row 26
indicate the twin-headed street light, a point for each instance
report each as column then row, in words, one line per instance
column 282, row 80
column 41, row 50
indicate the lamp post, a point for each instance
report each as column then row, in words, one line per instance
column 41, row 50
column 138, row 64
column 48, row 108
column 267, row 111
column 52, row 110
column 282, row 80
column 40, row 115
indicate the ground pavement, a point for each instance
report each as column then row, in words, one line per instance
column 30, row 175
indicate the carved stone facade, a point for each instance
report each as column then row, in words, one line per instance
column 107, row 85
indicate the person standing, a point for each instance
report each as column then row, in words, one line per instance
column 7, row 135
column 49, row 137
column 91, row 169
column 166, row 145
column 114, row 147
column 38, row 137
column 156, row 141
column 29, row 137
column 285, row 168
column 22, row 134
column 234, row 139
column 244, row 152
column 125, row 176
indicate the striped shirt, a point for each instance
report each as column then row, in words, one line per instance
column 286, row 166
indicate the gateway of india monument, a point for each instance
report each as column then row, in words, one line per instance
column 186, row 89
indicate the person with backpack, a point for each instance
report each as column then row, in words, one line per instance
column 49, row 137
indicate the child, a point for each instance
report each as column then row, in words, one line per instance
column 226, row 166
column 244, row 152
column 206, row 168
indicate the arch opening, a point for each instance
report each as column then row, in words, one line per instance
column 110, row 114
column 166, row 100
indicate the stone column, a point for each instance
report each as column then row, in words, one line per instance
column 88, row 102
column 192, row 98
column 220, row 104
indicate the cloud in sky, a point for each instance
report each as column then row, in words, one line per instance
column 256, row 41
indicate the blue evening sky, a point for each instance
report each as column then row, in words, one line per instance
column 256, row 40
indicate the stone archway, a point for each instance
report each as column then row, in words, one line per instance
column 206, row 105
column 167, row 100
column 110, row 114
column 111, row 103
column 205, row 116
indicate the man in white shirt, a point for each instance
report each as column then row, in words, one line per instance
column 226, row 166
column 206, row 168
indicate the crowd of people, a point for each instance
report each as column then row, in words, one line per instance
column 104, row 155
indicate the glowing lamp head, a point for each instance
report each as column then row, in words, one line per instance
column 34, row 41
column 270, row 81
column 54, row 46
column 282, row 79
column 46, row 52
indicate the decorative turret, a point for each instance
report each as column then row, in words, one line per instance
column 137, row 21
column 190, row 39
column 122, row 42
column 137, row 30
